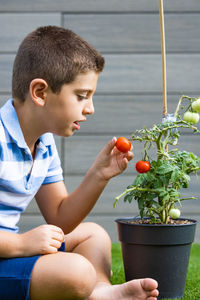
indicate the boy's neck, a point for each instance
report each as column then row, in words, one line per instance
column 29, row 123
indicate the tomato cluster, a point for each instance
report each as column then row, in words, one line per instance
column 193, row 116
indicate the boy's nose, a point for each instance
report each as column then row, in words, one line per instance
column 89, row 108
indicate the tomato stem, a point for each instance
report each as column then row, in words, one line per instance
column 179, row 103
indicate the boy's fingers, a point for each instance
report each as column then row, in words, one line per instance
column 51, row 250
column 58, row 233
column 56, row 228
column 58, row 237
column 130, row 155
column 125, row 163
column 56, row 244
column 110, row 145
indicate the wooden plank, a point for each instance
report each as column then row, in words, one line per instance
column 4, row 98
column 32, row 208
column 133, row 73
column 142, row 73
column 6, row 65
column 14, row 29
column 121, row 32
column 123, row 114
column 136, row 33
column 95, row 5
column 81, row 151
column 58, row 142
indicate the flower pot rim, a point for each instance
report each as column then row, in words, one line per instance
column 124, row 219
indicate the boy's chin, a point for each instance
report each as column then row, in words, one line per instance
column 64, row 133
column 69, row 133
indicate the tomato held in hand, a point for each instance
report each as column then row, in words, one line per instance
column 143, row 166
column 191, row 117
column 123, row 145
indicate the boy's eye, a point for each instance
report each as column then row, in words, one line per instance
column 81, row 97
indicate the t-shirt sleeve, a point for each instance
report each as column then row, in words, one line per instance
column 55, row 172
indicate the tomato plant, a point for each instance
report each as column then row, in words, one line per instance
column 123, row 144
column 165, row 171
column 142, row 166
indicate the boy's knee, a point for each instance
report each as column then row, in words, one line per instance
column 99, row 232
column 62, row 276
column 82, row 278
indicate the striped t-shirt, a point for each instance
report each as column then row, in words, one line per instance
column 20, row 176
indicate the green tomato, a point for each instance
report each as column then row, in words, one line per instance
column 191, row 117
column 196, row 105
column 174, row 213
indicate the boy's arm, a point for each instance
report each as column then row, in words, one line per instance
column 9, row 244
column 44, row 239
column 67, row 211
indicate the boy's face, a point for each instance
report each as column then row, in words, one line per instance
column 65, row 111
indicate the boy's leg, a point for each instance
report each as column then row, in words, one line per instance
column 85, row 272
column 63, row 276
column 91, row 241
column 71, row 275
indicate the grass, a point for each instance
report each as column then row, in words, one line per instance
column 192, row 289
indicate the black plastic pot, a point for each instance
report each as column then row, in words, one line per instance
column 157, row 251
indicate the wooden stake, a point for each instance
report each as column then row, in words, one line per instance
column 163, row 51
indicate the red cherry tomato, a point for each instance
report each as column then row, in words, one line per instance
column 142, row 166
column 123, row 144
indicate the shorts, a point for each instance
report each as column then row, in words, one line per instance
column 15, row 276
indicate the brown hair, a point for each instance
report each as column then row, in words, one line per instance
column 54, row 54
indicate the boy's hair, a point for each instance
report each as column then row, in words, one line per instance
column 54, row 54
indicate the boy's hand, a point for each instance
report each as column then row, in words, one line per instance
column 44, row 239
column 111, row 162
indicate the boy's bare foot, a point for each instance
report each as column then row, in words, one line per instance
column 139, row 289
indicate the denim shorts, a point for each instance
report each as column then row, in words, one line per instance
column 15, row 276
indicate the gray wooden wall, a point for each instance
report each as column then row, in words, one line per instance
column 129, row 94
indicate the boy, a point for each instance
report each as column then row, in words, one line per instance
column 55, row 75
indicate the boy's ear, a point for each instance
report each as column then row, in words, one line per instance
column 38, row 91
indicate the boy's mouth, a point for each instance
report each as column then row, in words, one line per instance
column 77, row 125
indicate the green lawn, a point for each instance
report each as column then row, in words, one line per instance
column 192, row 290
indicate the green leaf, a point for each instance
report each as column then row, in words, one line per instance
column 175, row 175
column 165, row 179
column 164, row 169
column 128, row 198
column 161, row 190
column 166, row 197
column 149, row 177
column 139, row 180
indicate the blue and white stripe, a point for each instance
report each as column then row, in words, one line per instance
column 20, row 176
